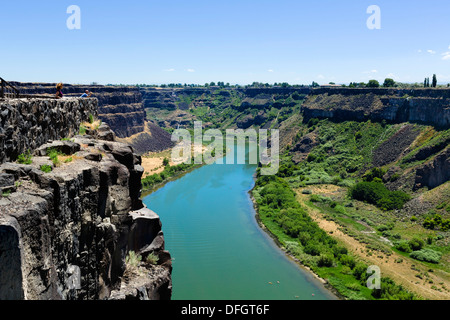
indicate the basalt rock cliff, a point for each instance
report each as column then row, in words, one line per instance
column 121, row 107
column 68, row 226
column 425, row 106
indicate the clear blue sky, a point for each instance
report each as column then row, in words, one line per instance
column 236, row 41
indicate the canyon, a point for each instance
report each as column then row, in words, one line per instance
column 68, row 233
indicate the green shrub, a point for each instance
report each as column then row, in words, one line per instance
column 6, row 193
column 436, row 221
column 312, row 249
column 46, row 168
column 377, row 194
column 82, row 130
column 429, row 223
column 374, row 173
column 338, row 251
column 427, row 255
column 416, row 244
column 441, row 206
column 360, row 271
column 445, row 225
column 384, row 227
column 311, row 157
column 313, row 122
column 403, row 246
column 348, row 261
column 325, row 261
column 25, row 158
column 304, row 238
column 390, row 291
column 53, row 155
column 133, row 259
column 152, row 258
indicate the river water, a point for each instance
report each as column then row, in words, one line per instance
column 219, row 252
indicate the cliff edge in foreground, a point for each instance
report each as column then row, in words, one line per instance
column 67, row 233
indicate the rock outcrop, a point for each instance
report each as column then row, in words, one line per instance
column 65, row 234
column 435, row 172
column 25, row 124
column 425, row 106
column 122, row 107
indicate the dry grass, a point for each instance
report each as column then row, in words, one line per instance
column 92, row 126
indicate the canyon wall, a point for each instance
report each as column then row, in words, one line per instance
column 121, row 107
column 28, row 123
column 67, row 228
column 425, row 106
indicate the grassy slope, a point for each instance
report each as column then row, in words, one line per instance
column 343, row 155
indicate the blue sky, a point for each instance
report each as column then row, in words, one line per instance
column 236, row 41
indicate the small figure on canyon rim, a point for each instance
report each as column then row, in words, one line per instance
column 59, row 93
column 86, row 94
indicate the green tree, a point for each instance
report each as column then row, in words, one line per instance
column 373, row 84
column 434, row 84
column 388, row 83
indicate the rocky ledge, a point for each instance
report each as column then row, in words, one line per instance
column 68, row 233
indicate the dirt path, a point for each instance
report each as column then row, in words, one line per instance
column 403, row 273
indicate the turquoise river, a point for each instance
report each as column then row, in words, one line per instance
column 219, row 251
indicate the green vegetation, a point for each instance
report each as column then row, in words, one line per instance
column 82, row 130
column 69, row 159
column 282, row 214
column 437, row 223
column 6, row 193
column 133, row 259
column 91, row 118
column 152, row 258
column 53, row 155
column 46, row 168
column 25, row 158
column 376, row 193
column 343, row 150
column 388, row 82
column 373, row 84
column 150, row 182
column 346, row 154
column 427, row 255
